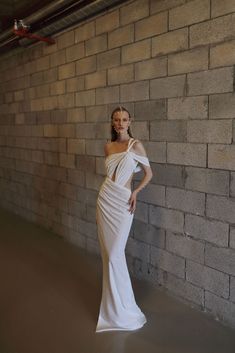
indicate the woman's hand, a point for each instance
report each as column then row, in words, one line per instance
column 132, row 201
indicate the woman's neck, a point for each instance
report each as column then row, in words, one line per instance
column 123, row 137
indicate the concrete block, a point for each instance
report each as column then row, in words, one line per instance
column 161, row 5
column 187, row 201
column 140, row 129
column 208, row 278
column 107, row 95
column 141, row 212
column 138, row 249
column 67, row 160
column 107, row 22
column 96, row 79
column 168, row 262
column 208, row 230
column 75, row 52
column 167, row 174
column 221, row 156
column 221, row 208
column 100, row 166
column 153, row 194
column 75, row 84
column 42, row 91
column 189, row 13
column 85, row 98
column 166, row 130
column 219, row 8
column 58, row 58
column 58, row 116
column 134, row 11
column 19, row 95
column 150, row 110
column 51, row 130
column 206, row 180
column 93, row 131
column 134, row 91
column 136, row 52
column 188, row 61
column 108, row 59
column 97, row 113
column 232, row 289
column 222, row 106
column 77, row 209
column 76, row 146
column 43, row 63
column 144, row 271
column 76, row 115
column 84, row 32
column 165, row 218
column 86, row 65
column 96, row 45
column 121, row 36
column 87, row 228
column 65, row 40
column 94, row 181
column 85, row 163
column 222, row 309
column 170, row 42
column 40, row 117
column 66, row 101
column 95, row 147
column 210, row 131
column 232, row 184
column 212, row 81
column 188, row 108
column 151, row 26
column 167, row 87
column 76, row 238
column 66, row 71
column 51, row 158
column 50, row 75
column 122, row 74
column 92, row 246
column 151, row 68
column 222, row 259
column 213, row 31
column 87, row 196
column 185, row 247
column 156, row 151
column 57, row 88
column 149, row 234
column 67, row 130
column 184, row 289
column 76, row 177
column 223, row 54
column 186, row 154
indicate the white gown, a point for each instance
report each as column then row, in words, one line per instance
column 118, row 308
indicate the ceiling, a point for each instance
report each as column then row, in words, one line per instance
column 11, row 9
column 45, row 17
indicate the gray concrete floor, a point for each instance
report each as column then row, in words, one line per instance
column 50, row 293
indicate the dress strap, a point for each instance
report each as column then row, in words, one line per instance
column 131, row 143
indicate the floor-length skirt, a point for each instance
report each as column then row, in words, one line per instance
column 118, row 309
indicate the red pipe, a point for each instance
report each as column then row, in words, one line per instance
column 25, row 33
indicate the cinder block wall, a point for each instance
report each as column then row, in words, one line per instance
column 171, row 63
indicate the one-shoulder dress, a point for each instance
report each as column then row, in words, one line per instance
column 118, row 308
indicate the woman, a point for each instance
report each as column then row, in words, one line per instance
column 116, row 204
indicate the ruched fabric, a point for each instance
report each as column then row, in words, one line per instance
column 118, row 308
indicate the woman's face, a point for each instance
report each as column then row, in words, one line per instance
column 121, row 121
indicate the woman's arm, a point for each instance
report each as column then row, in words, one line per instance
column 139, row 149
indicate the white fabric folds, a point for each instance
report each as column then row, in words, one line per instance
column 118, row 308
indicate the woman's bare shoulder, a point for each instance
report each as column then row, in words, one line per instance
column 138, row 148
column 107, row 147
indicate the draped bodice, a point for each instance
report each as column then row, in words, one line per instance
column 123, row 164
